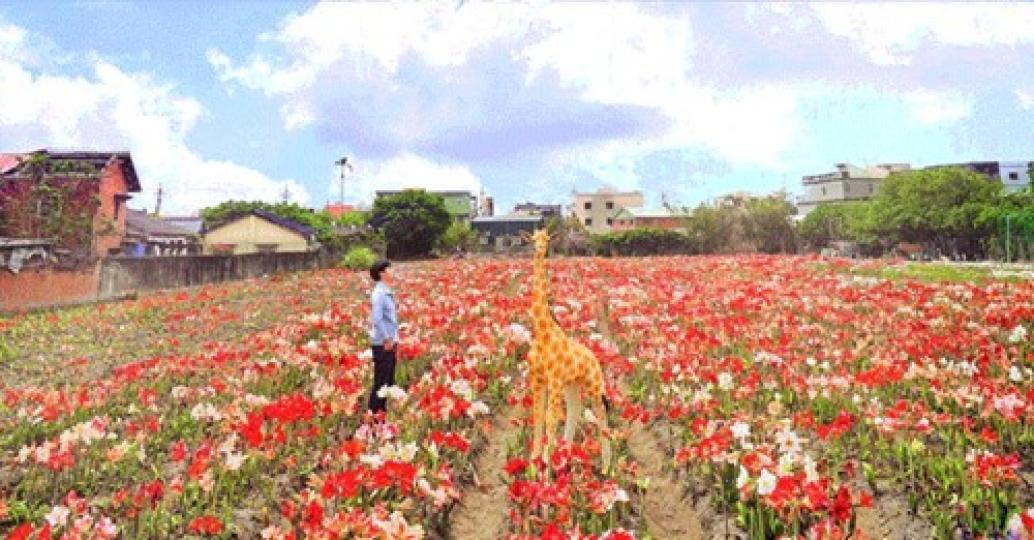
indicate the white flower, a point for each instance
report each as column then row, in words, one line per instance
column 740, row 430
column 743, row 478
column 1018, row 334
column 205, row 411
column 58, row 516
column 478, row 408
column 374, row 461
column 725, row 381
column 766, row 483
column 392, row 393
column 234, row 460
column 461, row 387
column 1015, row 374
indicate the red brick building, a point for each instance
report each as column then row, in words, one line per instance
column 94, row 185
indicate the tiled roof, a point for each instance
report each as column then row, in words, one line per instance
column 139, row 223
column 97, row 158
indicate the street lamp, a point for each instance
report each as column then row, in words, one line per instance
column 343, row 163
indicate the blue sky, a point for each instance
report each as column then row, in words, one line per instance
column 239, row 99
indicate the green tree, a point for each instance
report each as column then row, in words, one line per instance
column 767, row 225
column 412, row 221
column 458, row 235
column 947, row 208
column 321, row 222
column 837, row 221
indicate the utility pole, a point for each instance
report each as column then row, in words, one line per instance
column 285, row 195
column 343, row 163
column 158, row 203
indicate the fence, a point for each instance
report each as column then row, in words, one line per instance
column 120, row 275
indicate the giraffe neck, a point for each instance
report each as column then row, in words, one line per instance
column 540, row 295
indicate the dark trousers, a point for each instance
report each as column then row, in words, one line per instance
column 383, row 375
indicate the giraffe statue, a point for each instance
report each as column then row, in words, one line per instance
column 561, row 370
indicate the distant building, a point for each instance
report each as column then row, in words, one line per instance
column 110, row 177
column 193, row 224
column 638, row 218
column 148, row 235
column 259, row 231
column 338, row 209
column 736, row 199
column 534, row 209
column 500, row 233
column 846, row 183
column 1014, row 175
column 461, row 205
column 596, row 210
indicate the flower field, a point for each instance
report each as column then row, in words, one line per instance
column 769, row 396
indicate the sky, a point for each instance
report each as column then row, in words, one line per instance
column 527, row 101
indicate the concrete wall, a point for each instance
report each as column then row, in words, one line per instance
column 120, row 275
column 250, row 231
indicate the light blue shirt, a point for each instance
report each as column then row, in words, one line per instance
column 383, row 323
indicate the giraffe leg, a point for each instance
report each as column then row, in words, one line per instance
column 601, row 418
column 573, row 397
column 554, row 408
column 538, row 415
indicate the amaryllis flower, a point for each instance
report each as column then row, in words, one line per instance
column 207, row 525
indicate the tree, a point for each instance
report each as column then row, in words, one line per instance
column 837, row 221
column 322, row 223
column 458, row 235
column 412, row 221
column 767, row 225
column 946, row 208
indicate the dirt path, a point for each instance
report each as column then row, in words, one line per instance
column 889, row 519
column 482, row 511
column 668, row 515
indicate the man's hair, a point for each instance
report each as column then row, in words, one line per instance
column 378, row 268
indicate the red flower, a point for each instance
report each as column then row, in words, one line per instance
column 178, row 452
column 313, row 515
column 515, row 466
column 21, row 533
column 842, row 505
column 208, row 525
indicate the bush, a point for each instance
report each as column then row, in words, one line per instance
column 358, row 258
column 639, row 242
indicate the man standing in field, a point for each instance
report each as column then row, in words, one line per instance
column 384, row 333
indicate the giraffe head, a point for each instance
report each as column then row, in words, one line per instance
column 541, row 240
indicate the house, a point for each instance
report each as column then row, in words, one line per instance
column 846, row 183
column 88, row 217
column 500, row 233
column 638, row 218
column 259, row 231
column 1013, row 175
column 193, row 224
column 596, row 210
column 535, row 209
column 148, row 235
column 461, row 205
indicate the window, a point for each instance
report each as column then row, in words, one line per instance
column 588, row 206
column 847, row 188
column 610, row 205
column 1014, row 176
column 588, row 222
column 117, row 203
column 823, row 191
column 871, row 188
column 610, row 221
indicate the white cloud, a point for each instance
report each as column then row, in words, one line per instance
column 402, row 172
column 112, row 109
column 928, row 107
column 889, row 32
column 1026, row 98
column 615, row 54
